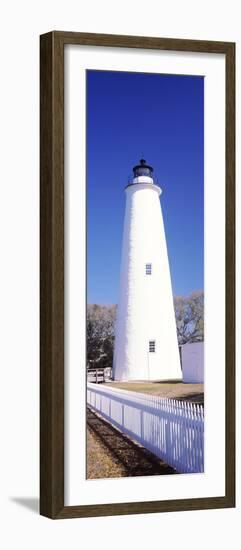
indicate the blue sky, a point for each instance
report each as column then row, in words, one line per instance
column 160, row 117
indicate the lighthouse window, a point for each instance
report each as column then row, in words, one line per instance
column 148, row 269
column 152, row 346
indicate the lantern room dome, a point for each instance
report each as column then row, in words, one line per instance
column 142, row 169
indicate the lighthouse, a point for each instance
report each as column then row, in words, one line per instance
column 146, row 346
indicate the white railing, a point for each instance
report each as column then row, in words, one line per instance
column 173, row 430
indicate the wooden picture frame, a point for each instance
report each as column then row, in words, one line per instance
column 52, row 274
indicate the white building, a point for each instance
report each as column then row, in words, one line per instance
column 193, row 362
column 146, row 345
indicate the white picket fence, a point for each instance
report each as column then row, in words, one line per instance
column 173, row 430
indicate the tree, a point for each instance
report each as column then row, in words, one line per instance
column 100, row 335
column 189, row 311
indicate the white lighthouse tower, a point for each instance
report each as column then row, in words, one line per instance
column 146, row 346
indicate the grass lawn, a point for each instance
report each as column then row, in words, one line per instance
column 174, row 389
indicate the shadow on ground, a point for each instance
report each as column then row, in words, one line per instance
column 134, row 459
column 197, row 398
column 28, row 502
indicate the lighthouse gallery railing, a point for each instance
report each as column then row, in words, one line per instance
column 173, row 430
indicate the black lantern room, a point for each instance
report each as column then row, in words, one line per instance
column 142, row 169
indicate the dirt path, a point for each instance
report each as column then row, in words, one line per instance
column 112, row 454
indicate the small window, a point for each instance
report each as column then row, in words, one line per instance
column 148, row 269
column 152, row 346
